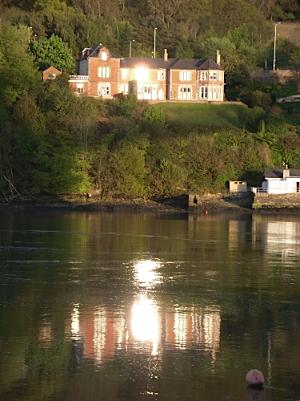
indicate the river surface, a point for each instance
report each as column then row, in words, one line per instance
column 125, row 306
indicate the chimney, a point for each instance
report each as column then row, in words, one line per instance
column 218, row 57
column 285, row 172
column 165, row 55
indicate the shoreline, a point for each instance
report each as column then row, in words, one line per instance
column 211, row 207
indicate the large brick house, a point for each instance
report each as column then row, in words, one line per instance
column 159, row 79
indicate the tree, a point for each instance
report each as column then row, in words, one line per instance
column 295, row 57
column 52, row 52
column 17, row 72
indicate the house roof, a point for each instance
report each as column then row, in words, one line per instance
column 51, row 69
column 196, row 64
column 91, row 51
column 171, row 63
column 278, row 173
column 152, row 63
column 155, row 63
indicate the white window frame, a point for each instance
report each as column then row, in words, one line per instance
column 203, row 92
column 185, row 75
column 204, row 76
column 213, row 75
column 79, row 88
column 183, row 90
column 124, row 73
column 103, row 56
column 161, row 75
column 104, row 72
column 104, row 89
column 123, row 88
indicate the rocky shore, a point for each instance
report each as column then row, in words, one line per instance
column 207, row 203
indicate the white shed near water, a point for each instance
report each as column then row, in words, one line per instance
column 281, row 181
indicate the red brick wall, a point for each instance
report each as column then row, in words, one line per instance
column 51, row 73
column 176, row 82
column 94, row 64
column 73, row 88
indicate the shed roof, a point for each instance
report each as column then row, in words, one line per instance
column 52, row 69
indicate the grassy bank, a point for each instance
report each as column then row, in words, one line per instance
column 194, row 116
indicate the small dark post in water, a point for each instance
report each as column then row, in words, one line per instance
column 195, row 201
column 255, row 379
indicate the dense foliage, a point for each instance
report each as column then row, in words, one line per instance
column 53, row 142
column 239, row 28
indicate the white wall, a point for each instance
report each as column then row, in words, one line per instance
column 281, row 186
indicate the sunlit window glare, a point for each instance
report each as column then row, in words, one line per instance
column 145, row 272
column 75, row 328
column 99, row 333
column 145, row 325
column 141, row 74
column 180, row 329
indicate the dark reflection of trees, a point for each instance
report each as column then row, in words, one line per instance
column 51, row 261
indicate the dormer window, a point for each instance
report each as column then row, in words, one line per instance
column 103, row 56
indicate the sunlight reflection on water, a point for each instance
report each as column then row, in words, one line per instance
column 146, row 272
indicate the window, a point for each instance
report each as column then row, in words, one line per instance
column 161, row 75
column 124, row 73
column 103, row 72
column 204, row 76
column 79, row 89
column 213, row 75
column 203, row 92
column 185, row 75
column 123, row 88
column 185, row 92
column 104, row 89
column 104, row 56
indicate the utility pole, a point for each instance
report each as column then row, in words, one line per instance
column 154, row 42
column 275, row 43
column 130, row 47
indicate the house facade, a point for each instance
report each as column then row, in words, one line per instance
column 281, row 181
column 159, row 79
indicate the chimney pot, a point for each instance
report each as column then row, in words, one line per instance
column 166, row 55
column 286, row 172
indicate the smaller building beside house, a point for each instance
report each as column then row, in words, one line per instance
column 281, row 181
column 50, row 73
column 237, row 186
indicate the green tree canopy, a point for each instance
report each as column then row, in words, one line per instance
column 52, row 52
column 17, row 72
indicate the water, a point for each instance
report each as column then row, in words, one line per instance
column 124, row 306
